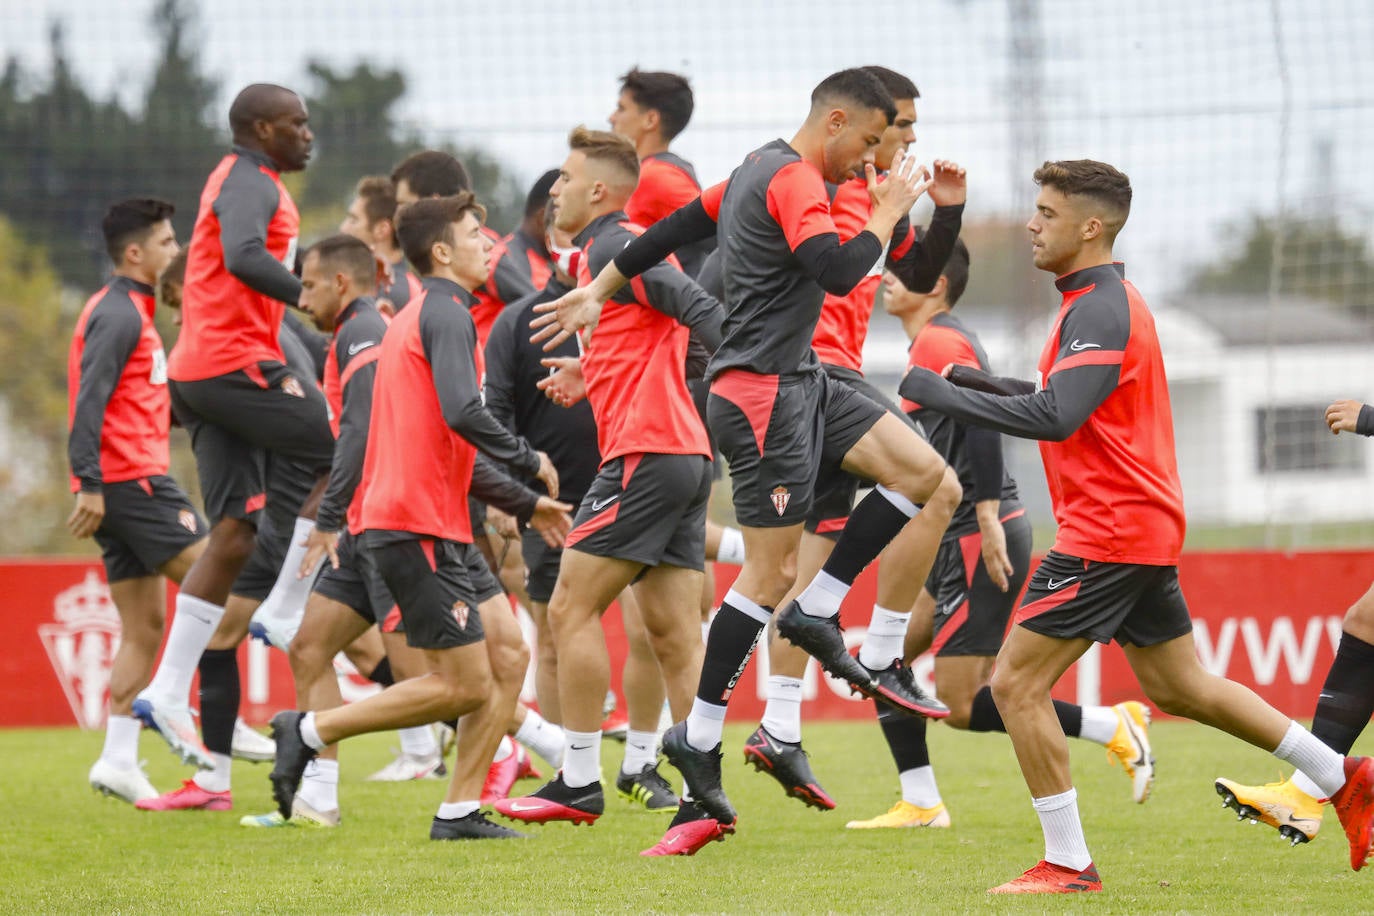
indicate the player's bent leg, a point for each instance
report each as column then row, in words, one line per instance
column 640, row 678
column 141, row 605
column 667, row 605
column 177, row 567
column 546, row 664
column 481, row 730
column 958, row 678
column 366, row 652
column 895, row 457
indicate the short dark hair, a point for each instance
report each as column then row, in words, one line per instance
column 856, row 86
column 666, row 93
column 129, row 222
column 429, row 220
column 956, row 272
column 172, row 276
column 378, row 195
column 605, row 146
column 539, row 193
column 1103, row 183
column 353, row 257
column 432, row 173
column 897, row 86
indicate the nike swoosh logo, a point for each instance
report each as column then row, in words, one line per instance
column 672, row 841
column 354, row 349
column 1052, row 585
column 599, row 504
column 580, row 747
column 1076, row 346
column 516, row 806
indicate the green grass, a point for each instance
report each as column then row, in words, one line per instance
column 67, row 850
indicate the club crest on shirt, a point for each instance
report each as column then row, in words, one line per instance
column 187, row 519
column 781, row 497
column 292, row 386
column 460, row 614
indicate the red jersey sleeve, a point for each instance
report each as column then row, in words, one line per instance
column 711, row 198
column 937, row 347
column 662, row 189
column 797, row 200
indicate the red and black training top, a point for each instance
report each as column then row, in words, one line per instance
column 428, row 421
column 974, row 452
column 780, row 254
column 634, row 361
column 529, row 257
column 667, row 182
column 349, row 371
column 507, row 283
column 404, row 286
column 238, row 273
column 118, row 409
column 1101, row 409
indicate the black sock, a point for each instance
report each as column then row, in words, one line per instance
column 906, row 738
column 1347, row 698
column 872, row 525
column 382, row 673
column 984, row 716
column 729, row 646
column 219, row 698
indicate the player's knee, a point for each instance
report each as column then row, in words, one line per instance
column 1359, row 620
column 1172, row 697
column 306, row 660
column 948, row 494
column 1009, row 687
column 231, row 541
column 461, row 695
column 509, row 661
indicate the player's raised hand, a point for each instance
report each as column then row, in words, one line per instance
column 949, row 184
column 553, row 520
column 547, row 475
column 900, row 188
column 1342, row 416
column 558, row 320
column 318, row 544
column 564, row 385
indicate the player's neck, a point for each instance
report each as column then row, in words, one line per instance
column 809, row 142
column 442, row 272
column 1096, row 256
column 133, row 273
column 650, row 145
column 915, row 322
column 389, row 253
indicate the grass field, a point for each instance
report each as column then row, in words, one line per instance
column 68, row 850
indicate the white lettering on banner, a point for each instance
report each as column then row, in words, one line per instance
column 1264, row 654
column 81, row 646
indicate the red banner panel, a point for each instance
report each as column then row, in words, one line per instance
column 1269, row 620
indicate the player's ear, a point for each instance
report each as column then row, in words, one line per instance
column 598, row 192
column 1092, row 229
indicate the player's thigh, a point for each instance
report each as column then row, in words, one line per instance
column 141, row 604
column 893, row 455
column 1030, row 663
column 269, row 406
column 586, row 586
column 420, row 575
column 327, row 628
column 668, row 601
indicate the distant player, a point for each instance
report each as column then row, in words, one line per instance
column 527, row 248
column 1100, row 406
column 642, row 521
column 119, row 417
column 1294, row 805
column 371, row 218
column 231, row 386
column 983, row 562
column 427, row 423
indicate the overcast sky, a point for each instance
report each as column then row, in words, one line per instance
column 1185, row 96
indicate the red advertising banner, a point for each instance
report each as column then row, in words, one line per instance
column 1267, row 619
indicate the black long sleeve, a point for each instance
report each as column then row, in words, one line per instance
column 1364, row 425
column 685, row 225
column 111, row 336
column 984, row 450
column 349, row 449
column 920, row 266
column 498, row 387
column 978, row 380
column 837, row 268
column 450, row 341
column 495, row 487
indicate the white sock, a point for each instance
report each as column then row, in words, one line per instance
column 193, row 624
column 1099, row 724
column 782, row 715
column 504, row 749
column 309, row 735
column 581, row 758
column 286, row 602
column 641, row 750
column 545, row 739
column 884, row 642
column 823, row 597
column 418, row 741
column 705, row 723
column 1064, row 843
column 121, row 742
column 452, row 811
column 918, row 787
column 320, row 785
column 1305, row 784
column 1322, row 765
column 731, row 549
column 216, row 779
